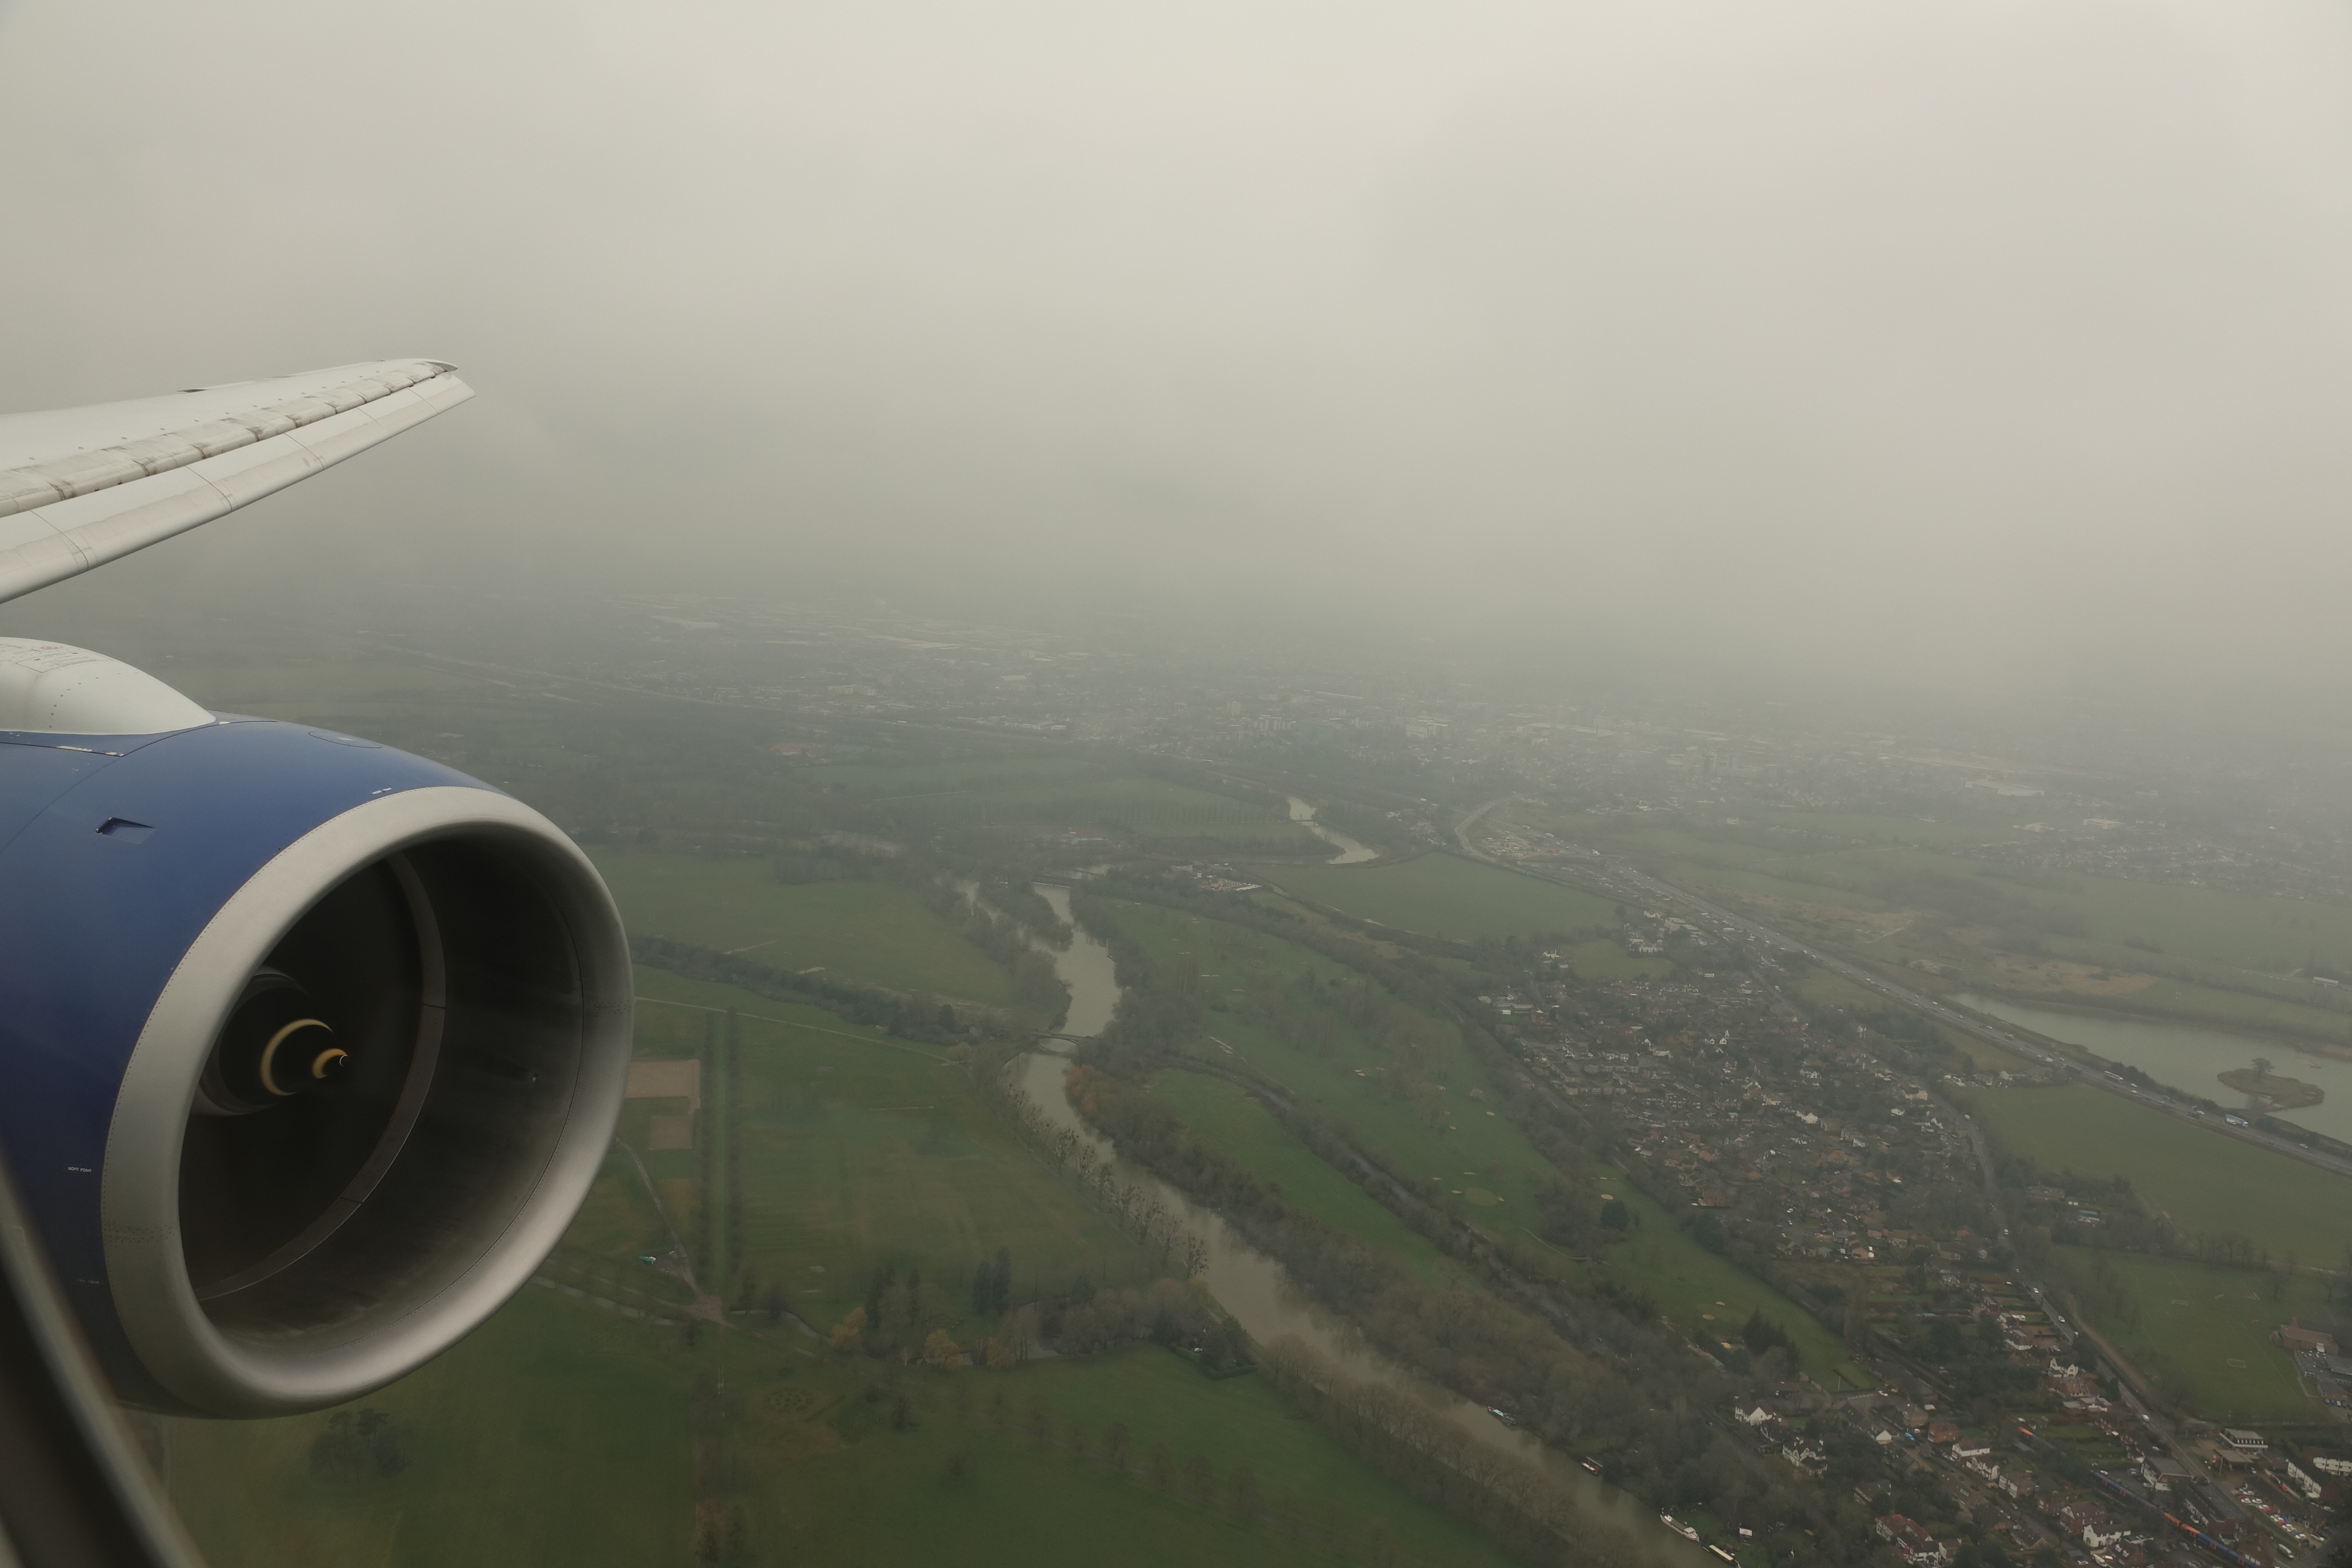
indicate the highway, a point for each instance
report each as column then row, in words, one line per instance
column 1622, row 880
column 1461, row 831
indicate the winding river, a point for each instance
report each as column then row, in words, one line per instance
column 1259, row 1294
column 1351, row 852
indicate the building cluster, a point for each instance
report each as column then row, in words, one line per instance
column 1728, row 1097
column 2041, row 1487
column 1826, row 1149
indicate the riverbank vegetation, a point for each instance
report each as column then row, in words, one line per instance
column 1231, row 1121
column 1576, row 1354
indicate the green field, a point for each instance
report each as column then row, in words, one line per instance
column 2208, row 1183
column 899, row 781
column 1874, row 865
column 1062, row 792
column 563, row 1431
column 2203, row 1331
column 1711, row 1297
column 1604, row 960
column 2188, row 1003
column 1235, row 1125
column 556, row 1433
column 891, row 1499
column 560, row 1433
column 858, row 1151
column 1446, row 895
column 1469, row 1146
column 876, row 932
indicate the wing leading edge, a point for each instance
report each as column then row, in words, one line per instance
column 80, row 487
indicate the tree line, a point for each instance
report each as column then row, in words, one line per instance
column 1572, row 1362
column 902, row 1015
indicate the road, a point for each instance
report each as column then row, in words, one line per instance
column 1622, row 878
column 1461, row 830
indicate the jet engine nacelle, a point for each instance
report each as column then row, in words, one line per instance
column 309, row 1050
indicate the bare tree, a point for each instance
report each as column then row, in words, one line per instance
column 1020, row 1332
column 1243, row 1483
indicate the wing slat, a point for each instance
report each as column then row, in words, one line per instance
column 82, row 486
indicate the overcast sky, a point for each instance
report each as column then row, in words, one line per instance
column 1977, row 338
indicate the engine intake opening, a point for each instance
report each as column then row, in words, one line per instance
column 293, row 1128
column 273, row 1048
column 389, row 1116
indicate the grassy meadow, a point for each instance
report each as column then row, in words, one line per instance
column 1469, row 1148
column 556, row 1433
column 1235, row 1125
column 1859, row 880
column 877, row 931
column 2200, row 1332
column 2208, row 1183
column 1063, row 791
column 1446, row 895
column 1603, row 958
column 1709, row 1296
column 874, row 782
column 2188, row 1001
column 1017, row 1500
column 856, row 1151
column 561, row 1432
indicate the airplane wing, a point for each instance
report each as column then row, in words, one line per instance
column 183, row 894
column 80, row 487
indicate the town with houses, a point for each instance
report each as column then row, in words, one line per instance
column 1824, row 1155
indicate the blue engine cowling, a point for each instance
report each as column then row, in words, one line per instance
column 310, row 1050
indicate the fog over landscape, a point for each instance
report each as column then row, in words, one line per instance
column 1488, row 785
column 1990, row 345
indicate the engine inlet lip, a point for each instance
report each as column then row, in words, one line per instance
column 212, row 1371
